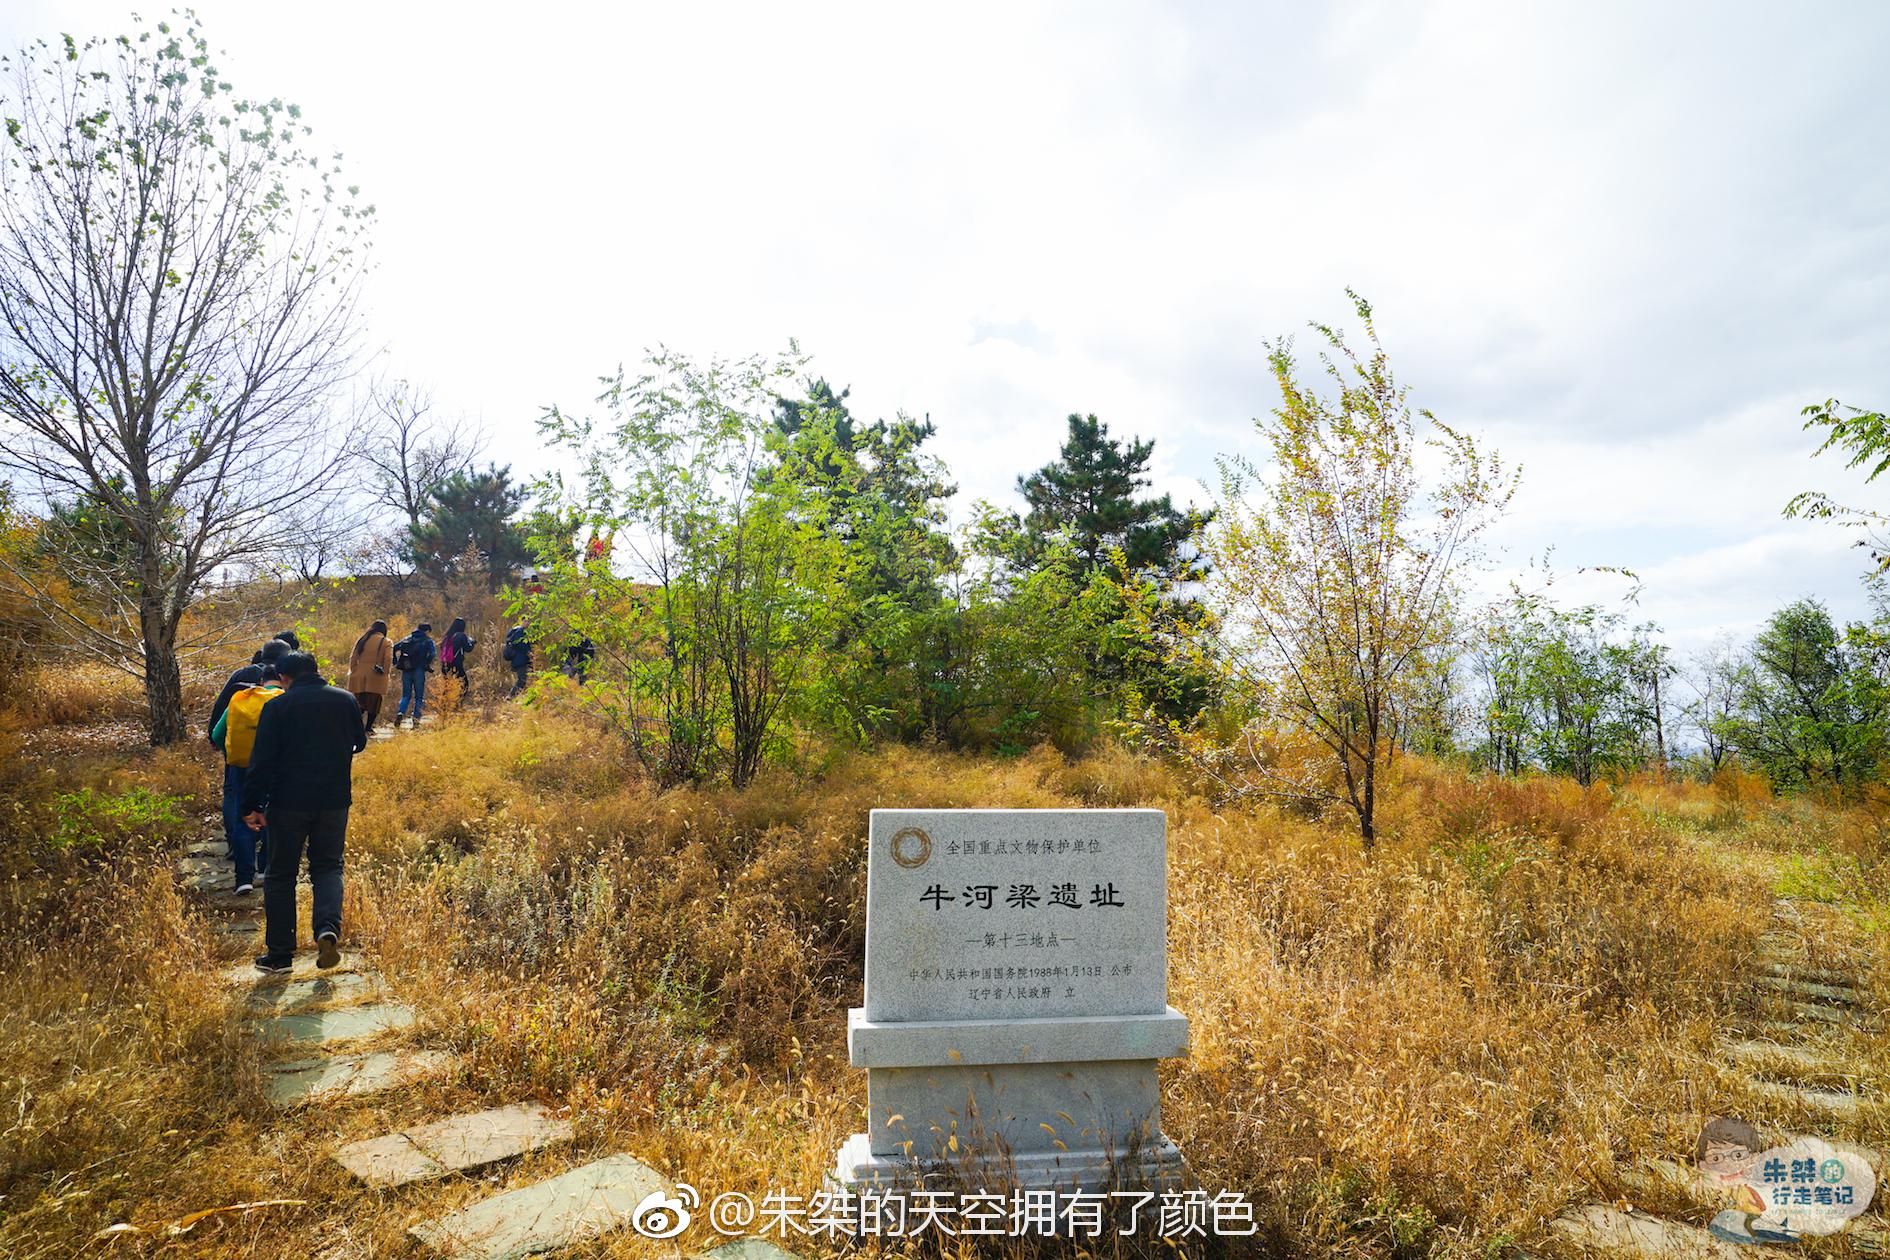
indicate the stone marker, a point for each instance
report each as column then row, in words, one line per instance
column 455, row 1144
column 582, row 1203
column 346, row 1023
column 1016, row 1001
column 351, row 1075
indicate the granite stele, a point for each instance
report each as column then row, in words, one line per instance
column 1016, row 1002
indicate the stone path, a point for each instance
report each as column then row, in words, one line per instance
column 1799, row 1065
column 328, row 1011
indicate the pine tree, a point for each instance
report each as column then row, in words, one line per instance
column 1089, row 494
column 472, row 510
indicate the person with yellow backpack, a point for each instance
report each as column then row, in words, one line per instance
column 235, row 733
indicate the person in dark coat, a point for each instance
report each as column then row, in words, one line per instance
column 578, row 658
column 518, row 654
column 413, row 657
column 455, row 645
column 300, row 785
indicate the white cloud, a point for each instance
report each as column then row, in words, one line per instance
column 1625, row 242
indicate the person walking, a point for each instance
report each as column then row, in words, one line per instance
column 235, row 733
column 245, row 676
column 298, row 787
column 413, row 657
column 518, row 654
column 455, row 644
column 370, row 669
column 578, row 658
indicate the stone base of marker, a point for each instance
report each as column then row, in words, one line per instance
column 1030, row 1104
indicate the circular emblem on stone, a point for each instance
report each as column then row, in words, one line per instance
column 911, row 847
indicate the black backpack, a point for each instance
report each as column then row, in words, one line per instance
column 404, row 656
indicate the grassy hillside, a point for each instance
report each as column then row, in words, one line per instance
column 1427, row 1053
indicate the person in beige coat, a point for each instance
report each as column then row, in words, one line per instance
column 369, row 670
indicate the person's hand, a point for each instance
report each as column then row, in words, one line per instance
column 255, row 819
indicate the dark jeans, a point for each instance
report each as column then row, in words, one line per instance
column 413, row 686
column 244, row 843
column 322, row 832
column 519, row 679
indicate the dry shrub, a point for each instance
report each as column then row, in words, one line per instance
column 69, row 694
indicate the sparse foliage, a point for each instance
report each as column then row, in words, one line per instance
column 1339, row 568
column 177, row 294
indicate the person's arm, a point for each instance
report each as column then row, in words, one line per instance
column 219, row 729
column 262, row 763
column 385, row 665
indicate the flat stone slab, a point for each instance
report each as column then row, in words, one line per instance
column 1832, row 1102
column 208, row 848
column 331, row 989
column 1794, row 1060
column 1603, row 1228
column 351, row 1075
column 747, row 1249
column 580, row 1204
column 1806, row 1010
column 347, row 1023
column 303, row 968
column 1792, row 970
column 455, row 1144
column 1845, row 995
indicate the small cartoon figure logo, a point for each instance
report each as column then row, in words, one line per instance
column 1781, row 1194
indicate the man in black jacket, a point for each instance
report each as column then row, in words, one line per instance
column 300, row 784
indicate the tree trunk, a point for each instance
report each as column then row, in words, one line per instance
column 163, row 681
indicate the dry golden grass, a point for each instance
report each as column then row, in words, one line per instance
column 1424, row 1054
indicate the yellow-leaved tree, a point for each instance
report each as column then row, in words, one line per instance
column 1340, row 564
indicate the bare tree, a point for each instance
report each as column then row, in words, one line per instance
column 178, row 280
column 409, row 451
column 1715, row 676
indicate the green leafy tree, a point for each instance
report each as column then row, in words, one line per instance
column 1864, row 436
column 178, row 271
column 1810, row 706
column 471, row 514
column 1136, row 565
column 709, row 621
column 882, row 499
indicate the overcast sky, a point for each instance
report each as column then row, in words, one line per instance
column 1624, row 243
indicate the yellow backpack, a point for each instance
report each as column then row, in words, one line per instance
column 239, row 731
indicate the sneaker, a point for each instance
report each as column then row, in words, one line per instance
column 329, row 953
column 273, row 965
column 243, row 890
